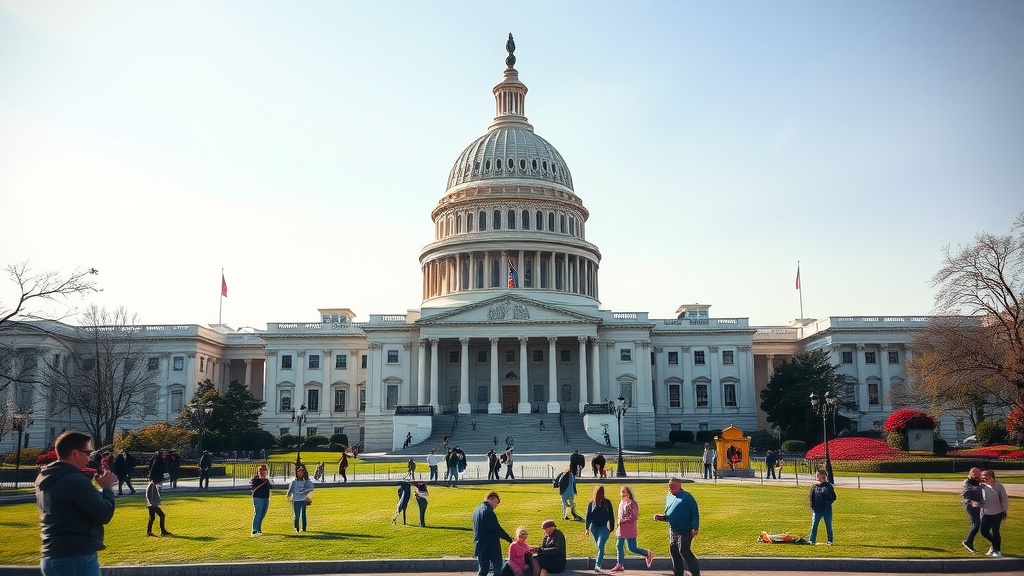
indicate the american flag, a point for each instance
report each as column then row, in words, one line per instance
column 513, row 276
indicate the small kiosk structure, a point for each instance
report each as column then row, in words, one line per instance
column 733, row 454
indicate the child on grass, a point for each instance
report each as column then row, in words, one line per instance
column 153, row 505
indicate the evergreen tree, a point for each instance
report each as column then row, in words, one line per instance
column 786, row 399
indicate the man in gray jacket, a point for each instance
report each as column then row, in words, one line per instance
column 71, row 512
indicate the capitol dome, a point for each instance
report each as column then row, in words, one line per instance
column 510, row 152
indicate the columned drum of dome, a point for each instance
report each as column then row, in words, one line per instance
column 510, row 218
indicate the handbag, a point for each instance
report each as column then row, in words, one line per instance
column 309, row 501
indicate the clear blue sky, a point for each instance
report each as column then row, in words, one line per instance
column 302, row 145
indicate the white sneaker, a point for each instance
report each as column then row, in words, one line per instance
column 997, row 554
column 989, row 553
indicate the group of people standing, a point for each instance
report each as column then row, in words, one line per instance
column 987, row 506
column 495, row 462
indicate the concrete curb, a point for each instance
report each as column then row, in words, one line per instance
column 462, row 565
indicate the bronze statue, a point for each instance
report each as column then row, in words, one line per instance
column 510, row 46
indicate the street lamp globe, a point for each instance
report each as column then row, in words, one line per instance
column 299, row 417
column 825, row 409
column 619, row 407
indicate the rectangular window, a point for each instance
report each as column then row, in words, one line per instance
column 313, row 400
column 392, row 356
column 702, row 395
column 341, row 361
column 339, row 400
column 482, row 394
column 538, row 356
column 673, row 358
column 314, row 361
column 362, row 361
column 392, row 397
column 674, row 400
column 153, row 364
column 481, row 356
column 286, row 362
column 362, row 399
column 566, row 392
column 702, row 426
column 286, row 400
column 894, row 357
column 149, row 401
column 310, row 430
column 453, row 356
column 698, row 357
column 869, row 357
column 728, row 357
column 285, row 431
column 675, row 426
column 339, row 429
column 510, row 355
column 176, row 401
column 538, row 392
column 873, row 393
column 565, row 356
column 729, row 393
column 179, row 363
column 847, row 357
column 625, row 355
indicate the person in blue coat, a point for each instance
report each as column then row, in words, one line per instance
column 487, row 535
column 683, row 519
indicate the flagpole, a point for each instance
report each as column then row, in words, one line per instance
column 800, row 289
column 220, row 308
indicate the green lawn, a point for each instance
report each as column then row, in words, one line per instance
column 354, row 523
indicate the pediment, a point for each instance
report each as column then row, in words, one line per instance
column 509, row 309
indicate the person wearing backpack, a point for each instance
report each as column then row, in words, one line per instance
column 566, row 484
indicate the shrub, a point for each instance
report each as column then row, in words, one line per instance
column 900, row 420
column 46, row 457
column 708, row 435
column 1015, row 426
column 939, row 445
column 289, row 440
column 991, row 432
column 315, row 440
column 856, row 449
column 794, row 446
column 340, row 439
column 897, row 440
column 28, row 456
column 763, row 441
column 679, row 436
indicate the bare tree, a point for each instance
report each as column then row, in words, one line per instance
column 972, row 357
column 32, row 289
column 105, row 376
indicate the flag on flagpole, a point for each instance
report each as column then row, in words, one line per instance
column 797, row 276
column 513, row 276
column 223, row 285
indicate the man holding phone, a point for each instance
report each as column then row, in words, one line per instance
column 71, row 512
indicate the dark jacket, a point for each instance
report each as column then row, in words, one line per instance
column 71, row 511
column 600, row 515
column 156, row 468
column 822, row 496
column 487, row 532
column 971, row 492
column 551, row 555
column 124, row 464
column 261, row 487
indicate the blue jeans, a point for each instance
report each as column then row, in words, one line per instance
column 621, row 549
column 84, row 565
column 259, row 506
column 300, row 511
column 600, row 535
column 975, row 515
column 817, row 515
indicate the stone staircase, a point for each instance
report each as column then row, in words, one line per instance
column 524, row 429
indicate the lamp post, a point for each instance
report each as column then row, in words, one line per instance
column 825, row 409
column 299, row 418
column 202, row 410
column 618, row 407
column 20, row 421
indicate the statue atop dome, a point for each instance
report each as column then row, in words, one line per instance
column 510, row 46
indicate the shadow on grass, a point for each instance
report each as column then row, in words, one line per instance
column 195, row 538
column 890, row 547
column 332, row 535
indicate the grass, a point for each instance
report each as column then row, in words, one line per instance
column 353, row 522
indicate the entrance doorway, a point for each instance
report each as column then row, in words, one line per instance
column 509, row 399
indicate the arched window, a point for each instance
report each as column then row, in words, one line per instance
column 540, row 221
column 469, row 222
column 526, row 219
column 572, row 226
column 497, row 220
column 511, row 219
column 458, row 224
column 561, row 223
column 551, row 221
column 483, row 220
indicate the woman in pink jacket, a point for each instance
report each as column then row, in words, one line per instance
column 629, row 511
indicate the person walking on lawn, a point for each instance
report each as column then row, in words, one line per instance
column 629, row 512
column 153, row 500
column 683, row 517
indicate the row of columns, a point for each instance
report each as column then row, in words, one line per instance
column 882, row 359
column 494, row 405
column 455, row 273
column 744, row 363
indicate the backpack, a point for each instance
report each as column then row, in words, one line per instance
column 558, row 480
column 563, row 481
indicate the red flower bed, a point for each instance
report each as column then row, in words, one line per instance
column 856, row 449
column 45, row 458
column 998, row 452
column 900, row 420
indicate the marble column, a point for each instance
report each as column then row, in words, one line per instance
column 595, row 369
column 464, row 406
column 421, row 373
column 434, row 400
column 553, row 406
column 584, row 386
column 494, row 405
column 524, row 378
